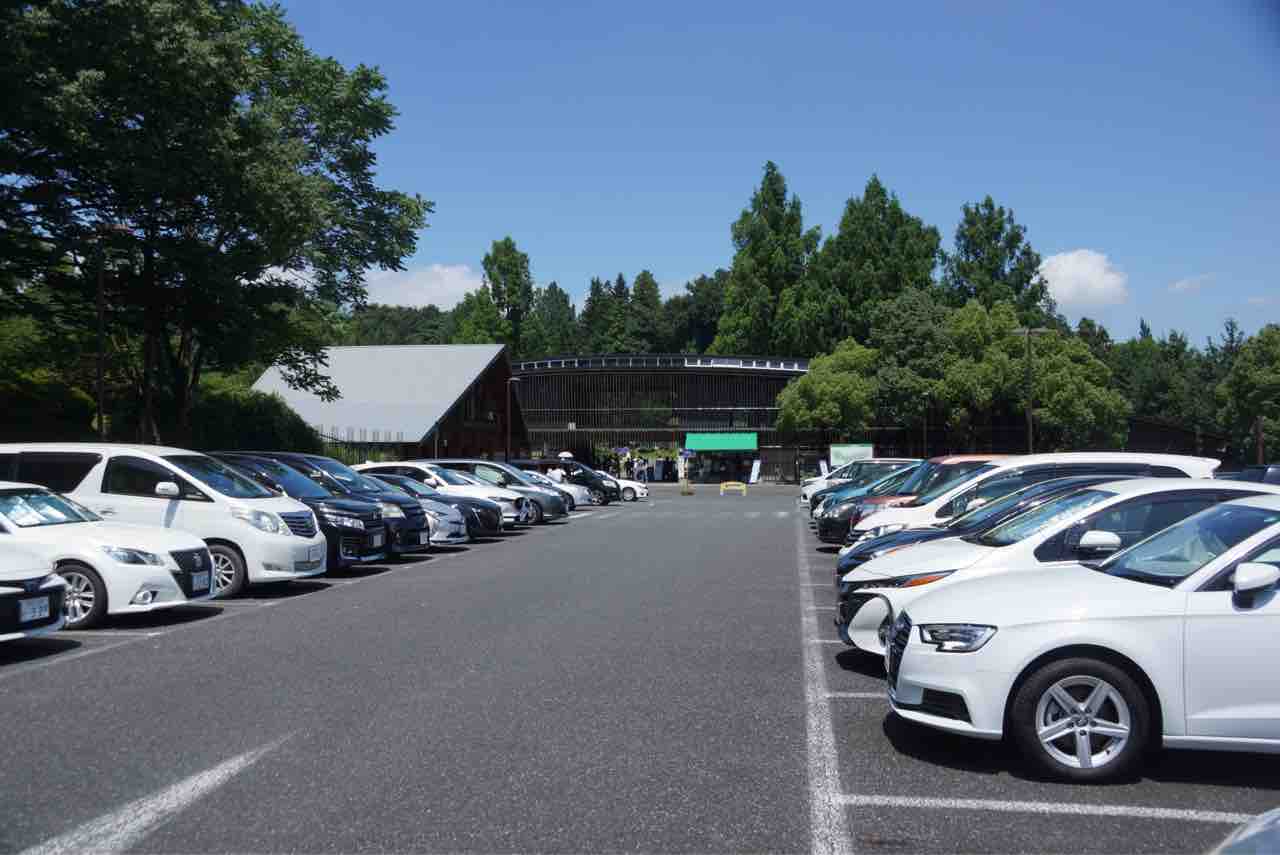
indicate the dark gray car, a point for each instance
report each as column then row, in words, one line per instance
column 548, row 504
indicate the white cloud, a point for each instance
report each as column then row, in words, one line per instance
column 1084, row 279
column 1191, row 284
column 440, row 284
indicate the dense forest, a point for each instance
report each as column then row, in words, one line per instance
column 190, row 196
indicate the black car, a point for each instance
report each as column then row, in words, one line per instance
column 353, row 528
column 1268, row 474
column 402, row 514
column 484, row 518
column 547, row 504
column 603, row 489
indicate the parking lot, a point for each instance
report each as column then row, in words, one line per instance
column 660, row 676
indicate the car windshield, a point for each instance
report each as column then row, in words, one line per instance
column 539, row 478
column 1171, row 555
column 893, row 484
column 1038, row 519
column 449, row 476
column 293, row 482
column 407, row 485
column 220, row 477
column 32, row 508
column 984, row 515
column 945, row 476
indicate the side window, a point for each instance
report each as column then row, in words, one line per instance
column 1266, row 554
column 61, row 472
column 382, row 470
column 133, row 476
column 1167, row 472
column 8, row 467
column 991, row 489
column 1133, row 521
column 492, row 476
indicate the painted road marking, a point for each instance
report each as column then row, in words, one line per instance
column 108, row 633
column 861, row 696
column 1063, row 808
column 125, row 827
column 828, row 823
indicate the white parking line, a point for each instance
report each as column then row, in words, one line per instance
column 125, row 827
column 828, row 824
column 1063, row 808
column 108, row 633
column 782, row 515
column 753, row 515
column 859, row 696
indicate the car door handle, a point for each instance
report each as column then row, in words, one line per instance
column 107, row 512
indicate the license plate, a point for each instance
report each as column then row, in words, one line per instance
column 34, row 609
column 376, row 540
column 425, row 537
column 315, row 553
column 200, row 581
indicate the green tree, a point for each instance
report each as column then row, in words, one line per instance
column 771, row 253
column 1251, row 392
column 909, row 331
column 228, row 170
column 552, row 324
column 993, row 262
column 478, row 321
column 645, row 314
column 837, row 394
column 596, row 317
column 878, row 251
column 506, row 272
column 618, row 337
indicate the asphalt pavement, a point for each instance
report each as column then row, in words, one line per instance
column 659, row 676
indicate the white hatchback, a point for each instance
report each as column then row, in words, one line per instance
column 30, row 594
column 254, row 534
column 1087, row 524
column 1173, row 641
column 109, row 567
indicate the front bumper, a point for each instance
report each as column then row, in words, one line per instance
column 186, row 577
column 450, row 532
column 353, row 546
column 949, row 691
column 12, row 627
column 283, row 558
column 832, row 529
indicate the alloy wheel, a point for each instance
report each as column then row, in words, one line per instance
column 224, row 573
column 1083, row 722
column 79, row 597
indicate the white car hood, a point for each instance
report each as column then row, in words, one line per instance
column 1058, row 594
column 950, row 554
column 148, row 538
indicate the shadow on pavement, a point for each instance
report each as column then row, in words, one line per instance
column 34, row 649
column 282, row 590
column 859, row 662
column 945, row 749
column 829, row 549
column 448, row 549
column 175, row 616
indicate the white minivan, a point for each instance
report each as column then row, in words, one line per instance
column 254, row 534
column 1007, row 474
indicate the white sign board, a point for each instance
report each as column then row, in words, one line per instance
column 842, row 454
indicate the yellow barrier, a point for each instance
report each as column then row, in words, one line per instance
column 733, row 485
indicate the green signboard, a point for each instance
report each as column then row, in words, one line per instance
column 721, row 442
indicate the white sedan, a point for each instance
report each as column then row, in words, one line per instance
column 632, row 491
column 30, row 594
column 1173, row 641
column 109, row 567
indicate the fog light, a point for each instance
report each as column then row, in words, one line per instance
column 144, row 597
column 276, row 568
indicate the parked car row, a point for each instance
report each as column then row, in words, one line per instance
column 1086, row 607
column 92, row 529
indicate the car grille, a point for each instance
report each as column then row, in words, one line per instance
column 897, row 644
column 301, row 523
column 9, row 605
column 191, row 561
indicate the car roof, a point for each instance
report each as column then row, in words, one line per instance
column 1179, row 460
column 22, row 485
column 95, row 447
column 1138, row 486
column 1268, row 501
column 966, row 458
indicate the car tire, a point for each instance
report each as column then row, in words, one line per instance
column 1106, row 698
column 598, row 498
column 85, row 602
column 628, row 494
column 229, row 573
column 538, row 517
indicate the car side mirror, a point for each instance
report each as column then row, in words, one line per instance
column 1252, row 578
column 1098, row 541
column 947, row 510
column 168, row 489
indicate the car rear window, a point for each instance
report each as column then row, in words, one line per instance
column 58, row 471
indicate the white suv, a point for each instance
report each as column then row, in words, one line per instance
column 254, row 534
column 109, row 567
column 30, row 594
column 1001, row 477
column 1173, row 641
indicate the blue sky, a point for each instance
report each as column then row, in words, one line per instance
column 1138, row 143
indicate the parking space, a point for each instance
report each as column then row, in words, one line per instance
column 910, row 788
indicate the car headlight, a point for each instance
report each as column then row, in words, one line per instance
column 390, row 510
column 126, row 555
column 843, row 512
column 432, row 515
column 348, row 522
column 499, row 499
column 609, row 482
column 913, row 581
column 888, row 528
column 261, row 520
column 956, row 637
